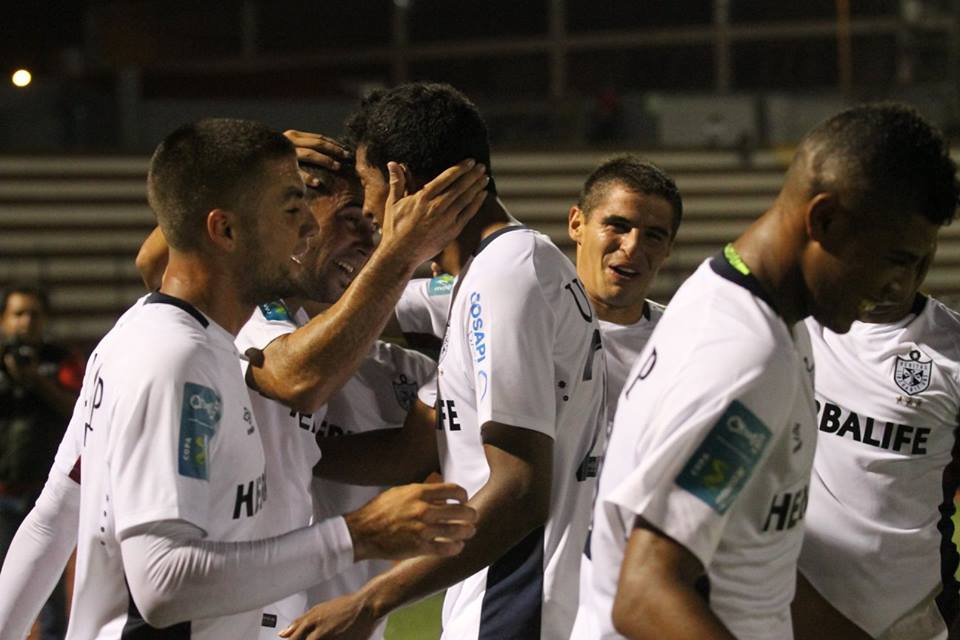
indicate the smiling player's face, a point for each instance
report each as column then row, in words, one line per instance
column 621, row 244
column 342, row 244
column 868, row 265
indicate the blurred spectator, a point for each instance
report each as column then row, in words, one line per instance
column 39, row 382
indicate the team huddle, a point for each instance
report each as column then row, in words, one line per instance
column 770, row 456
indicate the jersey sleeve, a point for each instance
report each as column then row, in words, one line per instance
column 510, row 331
column 423, row 306
column 703, row 441
column 163, row 448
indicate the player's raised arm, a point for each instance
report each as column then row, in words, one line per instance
column 513, row 503
column 656, row 594
column 384, row 456
column 304, row 368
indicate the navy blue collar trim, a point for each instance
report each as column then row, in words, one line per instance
column 749, row 282
column 919, row 304
column 496, row 234
column 161, row 298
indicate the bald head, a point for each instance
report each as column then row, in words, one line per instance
column 878, row 158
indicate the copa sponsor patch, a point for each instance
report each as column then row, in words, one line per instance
column 720, row 467
column 275, row 311
column 199, row 417
column 441, row 285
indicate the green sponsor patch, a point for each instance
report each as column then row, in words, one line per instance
column 720, row 467
column 275, row 311
column 442, row 285
column 199, row 416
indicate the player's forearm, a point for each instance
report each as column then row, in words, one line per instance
column 666, row 611
column 37, row 555
column 507, row 513
column 305, row 368
column 382, row 457
column 175, row 576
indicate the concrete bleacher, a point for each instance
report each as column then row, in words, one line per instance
column 75, row 223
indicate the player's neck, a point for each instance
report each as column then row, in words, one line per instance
column 492, row 217
column 208, row 287
column 619, row 315
column 771, row 249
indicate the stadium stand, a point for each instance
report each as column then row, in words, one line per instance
column 75, row 223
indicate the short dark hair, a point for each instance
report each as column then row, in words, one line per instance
column 24, row 289
column 426, row 126
column 206, row 165
column 634, row 174
column 884, row 154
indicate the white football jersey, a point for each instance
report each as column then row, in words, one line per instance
column 878, row 528
column 167, row 435
column 378, row 396
column 423, row 306
column 522, row 348
column 712, row 443
column 622, row 344
column 291, row 451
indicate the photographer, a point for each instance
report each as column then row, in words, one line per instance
column 39, row 382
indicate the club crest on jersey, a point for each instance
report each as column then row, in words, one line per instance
column 912, row 374
column 405, row 391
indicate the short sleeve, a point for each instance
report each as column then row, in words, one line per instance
column 702, row 444
column 163, row 446
column 510, row 331
column 423, row 306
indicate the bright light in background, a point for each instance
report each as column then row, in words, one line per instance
column 21, row 78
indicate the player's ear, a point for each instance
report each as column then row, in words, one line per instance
column 824, row 219
column 576, row 218
column 221, row 228
column 413, row 184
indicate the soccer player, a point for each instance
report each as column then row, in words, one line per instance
column 370, row 399
column 164, row 400
column 624, row 225
column 518, row 406
column 878, row 548
column 699, row 517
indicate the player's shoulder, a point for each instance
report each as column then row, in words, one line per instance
column 267, row 322
column 942, row 317
column 714, row 328
column 167, row 335
column 719, row 308
column 399, row 358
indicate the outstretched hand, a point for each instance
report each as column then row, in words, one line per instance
column 317, row 149
column 412, row 520
column 343, row 618
column 425, row 221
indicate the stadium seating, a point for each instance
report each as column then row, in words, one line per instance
column 75, row 223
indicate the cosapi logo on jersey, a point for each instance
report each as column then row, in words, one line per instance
column 912, row 375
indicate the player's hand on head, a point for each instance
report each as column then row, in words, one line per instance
column 412, row 520
column 427, row 220
column 343, row 618
column 317, row 149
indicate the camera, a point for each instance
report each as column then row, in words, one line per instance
column 22, row 352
